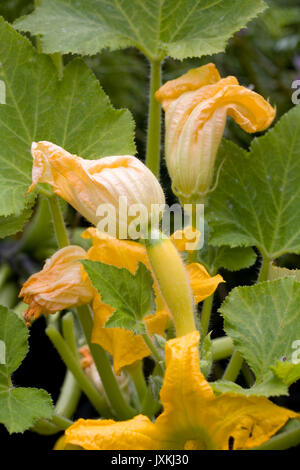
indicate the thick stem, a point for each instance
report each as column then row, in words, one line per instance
column 72, row 364
column 171, row 276
column 205, row 314
column 58, row 222
column 233, row 369
column 69, row 396
column 154, row 352
column 136, row 373
column 154, row 121
column 264, row 270
column 221, row 348
column 109, row 381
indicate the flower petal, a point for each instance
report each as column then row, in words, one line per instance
column 185, row 392
column 59, row 285
column 192, row 80
column 202, row 284
column 238, row 422
column 186, row 239
column 87, row 184
column 138, row 433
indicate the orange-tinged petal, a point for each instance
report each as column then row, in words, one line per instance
column 59, row 285
column 119, row 253
column 192, row 80
column 238, row 422
column 193, row 418
column 138, row 433
column 185, row 391
column 124, row 346
column 87, row 184
column 202, row 284
column 186, row 239
column 195, row 123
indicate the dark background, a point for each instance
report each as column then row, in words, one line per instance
column 266, row 55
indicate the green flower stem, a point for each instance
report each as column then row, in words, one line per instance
column 205, row 314
column 69, row 396
column 69, row 332
column 5, row 273
column 264, row 270
column 221, row 348
column 109, row 382
column 58, row 221
column 70, row 393
column 61, row 422
column 154, row 121
column 233, row 369
column 282, row 441
column 136, row 373
column 48, row 427
column 150, row 406
column 73, row 365
column 154, row 352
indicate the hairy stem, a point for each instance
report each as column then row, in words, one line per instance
column 154, row 121
column 233, row 369
column 109, row 381
column 58, row 222
column 73, row 365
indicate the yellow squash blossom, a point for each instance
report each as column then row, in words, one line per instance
column 88, row 184
column 123, row 345
column 196, row 107
column 62, row 284
column 58, row 286
column 192, row 418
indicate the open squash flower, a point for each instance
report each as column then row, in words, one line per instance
column 58, row 286
column 193, row 417
column 63, row 284
column 196, row 106
column 89, row 184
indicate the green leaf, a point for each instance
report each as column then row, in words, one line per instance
column 232, row 259
column 263, row 322
column 73, row 112
column 287, row 372
column 185, row 28
column 131, row 295
column 277, row 272
column 273, row 387
column 12, row 224
column 19, row 407
column 257, row 200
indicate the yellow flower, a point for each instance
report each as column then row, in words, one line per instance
column 196, row 107
column 193, row 417
column 58, row 286
column 88, row 184
column 62, row 284
column 123, row 345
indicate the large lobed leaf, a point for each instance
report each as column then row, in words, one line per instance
column 264, row 322
column 131, row 295
column 19, row 407
column 179, row 28
column 257, row 199
column 73, row 112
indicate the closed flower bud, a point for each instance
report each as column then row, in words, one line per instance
column 59, row 285
column 110, row 186
column 196, row 106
